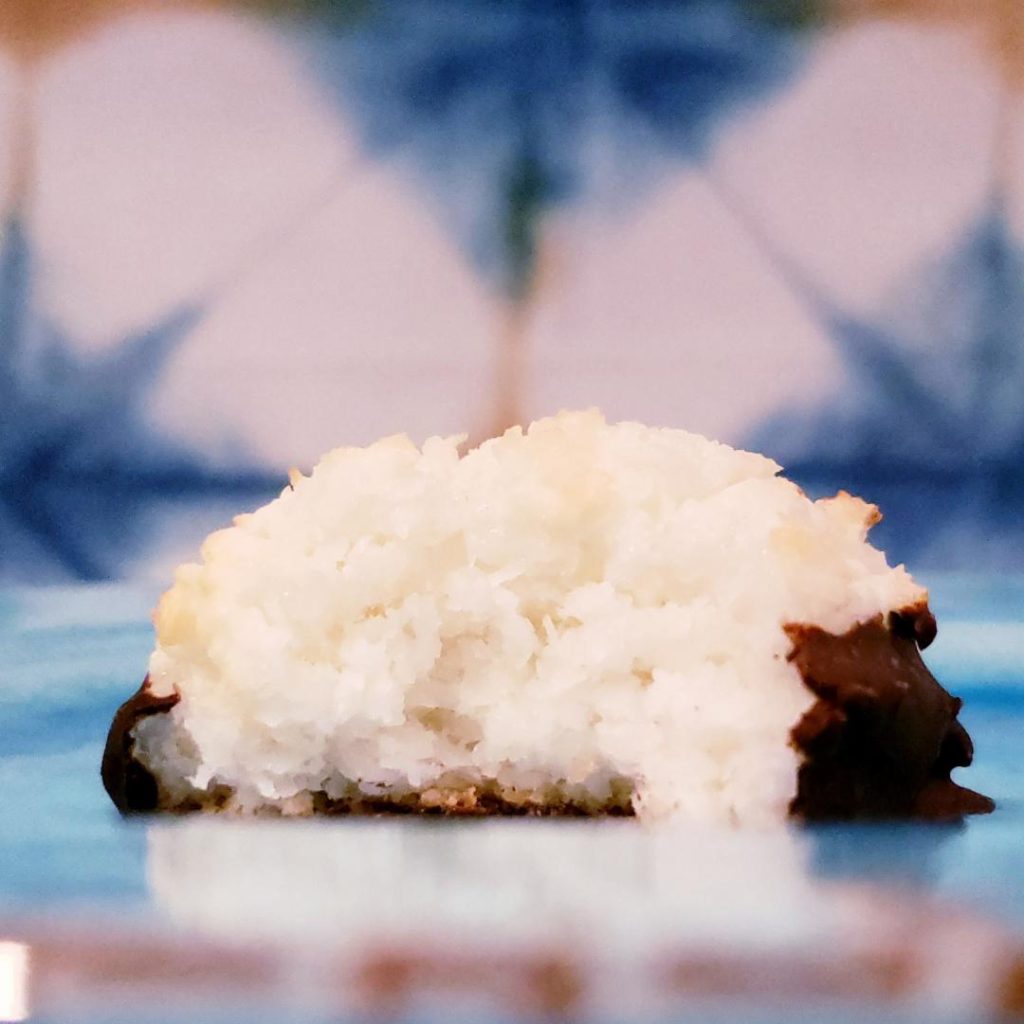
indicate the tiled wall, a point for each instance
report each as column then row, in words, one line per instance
column 236, row 235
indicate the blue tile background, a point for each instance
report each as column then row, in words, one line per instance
column 500, row 121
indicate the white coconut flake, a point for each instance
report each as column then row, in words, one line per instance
column 559, row 613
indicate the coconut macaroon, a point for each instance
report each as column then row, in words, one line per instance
column 577, row 618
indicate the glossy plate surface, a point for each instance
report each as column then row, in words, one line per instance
column 76, row 879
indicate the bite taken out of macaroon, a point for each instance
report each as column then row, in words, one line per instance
column 579, row 618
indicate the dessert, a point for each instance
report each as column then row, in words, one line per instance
column 580, row 618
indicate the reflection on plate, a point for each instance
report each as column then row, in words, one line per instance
column 506, row 879
column 862, row 951
column 104, row 919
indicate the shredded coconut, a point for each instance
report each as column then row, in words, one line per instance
column 580, row 611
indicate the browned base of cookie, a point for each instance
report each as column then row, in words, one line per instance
column 482, row 801
column 473, row 802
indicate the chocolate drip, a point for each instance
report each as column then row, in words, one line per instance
column 882, row 738
column 129, row 784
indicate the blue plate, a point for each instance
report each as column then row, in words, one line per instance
column 71, row 655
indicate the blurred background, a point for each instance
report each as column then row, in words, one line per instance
column 237, row 234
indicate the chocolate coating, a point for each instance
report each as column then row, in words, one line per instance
column 883, row 736
column 128, row 783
